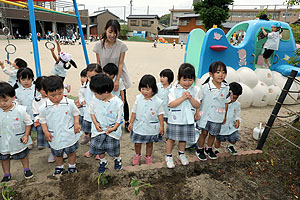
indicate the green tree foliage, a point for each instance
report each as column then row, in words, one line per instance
column 296, row 32
column 264, row 12
column 212, row 12
column 124, row 30
column 165, row 19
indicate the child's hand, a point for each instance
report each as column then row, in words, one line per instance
column 116, row 85
column 48, row 136
column 224, row 121
column 262, row 28
column 52, row 49
column 37, row 123
column 237, row 123
column 130, row 127
column 197, row 116
column 162, row 130
column 109, row 130
column 83, row 103
column 76, row 128
column 98, row 127
column 25, row 139
column 78, row 104
column 185, row 95
column 8, row 62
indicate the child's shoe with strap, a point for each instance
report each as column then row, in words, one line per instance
column 136, row 159
column 6, row 179
column 231, row 150
column 72, row 170
column 183, row 159
column 148, row 159
column 200, row 154
column 209, row 152
column 59, row 171
column 169, row 162
column 102, row 167
column 118, row 164
column 28, row 174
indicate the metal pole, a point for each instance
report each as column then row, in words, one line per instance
column 34, row 38
column 276, row 109
column 130, row 7
column 81, row 32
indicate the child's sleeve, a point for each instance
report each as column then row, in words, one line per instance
column 171, row 96
column 91, row 108
column 35, row 110
column 134, row 107
column 27, row 119
column 42, row 116
column 199, row 94
column 120, row 114
column 160, row 110
column 75, row 110
column 81, row 94
column 10, row 73
column 238, row 113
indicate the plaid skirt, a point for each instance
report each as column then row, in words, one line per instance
column 103, row 143
column 41, row 140
column 86, row 126
column 213, row 128
column 16, row 156
column 68, row 150
column 137, row 138
column 181, row 132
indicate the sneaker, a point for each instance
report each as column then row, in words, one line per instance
column 102, row 167
column 209, row 152
column 28, row 174
column 231, row 150
column 169, row 162
column 87, row 154
column 183, row 159
column 59, row 171
column 217, row 151
column 85, row 139
column 126, row 126
column 136, row 159
column 201, row 155
column 97, row 157
column 148, row 159
column 118, row 164
column 51, row 158
column 72, row 170
column 6, row 179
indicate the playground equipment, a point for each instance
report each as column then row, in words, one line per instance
column 245, row 58
column 31, row 9
column 9, row 48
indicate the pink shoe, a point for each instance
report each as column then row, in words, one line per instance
column 136, row 159
column 88, row 154
column 97, row 157
column 148, row 159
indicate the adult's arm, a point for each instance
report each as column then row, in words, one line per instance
column 120, row 69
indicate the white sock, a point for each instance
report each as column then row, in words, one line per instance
column 72, row 166
column 118, row 158
column 103, row 160
column 60, row 166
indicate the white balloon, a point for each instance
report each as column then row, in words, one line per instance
column 247, row 96
column 274, row 93
column 261, row 95
column 232, row 75
column 247, row 76
column 265, row 75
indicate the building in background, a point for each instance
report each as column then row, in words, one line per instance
column 98, row 20
column 148, row 23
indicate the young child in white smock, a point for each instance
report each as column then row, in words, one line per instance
column 15, row 66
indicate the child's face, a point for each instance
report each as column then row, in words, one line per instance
column 111, row 35
column 186, row 83
column 102, row 96
column 83, row 79
column 26, row 82
column 218, row 76
column 111, row 76
column 164, row 80
column 56, row 96
column 273, row 28
column 6, row 103
column 91, row 74
column 233, row 97
column 147, row 92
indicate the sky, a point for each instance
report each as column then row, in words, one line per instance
column 158, row 7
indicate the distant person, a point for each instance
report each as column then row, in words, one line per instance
column 181, row 44
column 272, row 42
column 15, row 66
column 38, row 36
column 155, row 43
column 174, row 44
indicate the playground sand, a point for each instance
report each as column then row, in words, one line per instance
column 140, row 59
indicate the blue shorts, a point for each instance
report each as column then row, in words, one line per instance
column 213, row 128
column 68, row 150
column 234, row 137
column 86, row 126
column 16, row 156
column 80, row 120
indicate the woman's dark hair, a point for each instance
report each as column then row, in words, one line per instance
column 20, row 63
column 110, row 69
column 94, row 67
column 167, row 73
column 83, row 73
column 115, row 26
column 186, row 70
column 52, row 83
column 22, row 74
column 6, row 90
column 39, row 86
column 148, row 81
column 101, row 83
column 236, row 88
column 214, row 67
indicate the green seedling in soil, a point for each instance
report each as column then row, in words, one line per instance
column 103, row 179
column 7, row 192
column 137, row 184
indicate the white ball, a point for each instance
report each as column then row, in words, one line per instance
column 261, row 97
column 247, row 96
column 232, row 75
column 247, row 76
column 274, row 93
column 264, row 75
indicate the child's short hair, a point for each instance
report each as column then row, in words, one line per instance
column 52, row 83
column 83, row 73
column 20, row 63
column 110, row 69
column 236, row 88
column 148, row 81
column 94, row 67
column 101, row 83
column 186, row 70
column 6, row 90
column 39, row 82
column 217, row 66
column 25, row 73
column 167, row 73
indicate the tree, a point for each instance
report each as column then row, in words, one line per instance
column 165, row 19
column 264, row 12
column 212, row 12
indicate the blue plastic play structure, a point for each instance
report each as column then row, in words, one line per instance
column 241, row 47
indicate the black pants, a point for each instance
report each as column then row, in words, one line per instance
column 126, row 108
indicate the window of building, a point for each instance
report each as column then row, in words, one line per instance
column 145, row 23
column 199, row 22
column 251, row 14
column 237, row 14
column 183, row 22
column 287, row 14
column 152, row 22
column 134, row 23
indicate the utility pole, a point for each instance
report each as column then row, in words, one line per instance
column 147, row 10
column 130, row 7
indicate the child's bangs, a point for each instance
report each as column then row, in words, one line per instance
column 189, row 73
column 221, row 68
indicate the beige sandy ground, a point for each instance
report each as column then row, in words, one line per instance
column 140, row 59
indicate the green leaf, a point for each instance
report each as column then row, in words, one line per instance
column 136, row 190
column 104, row 181
column 134, row 183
